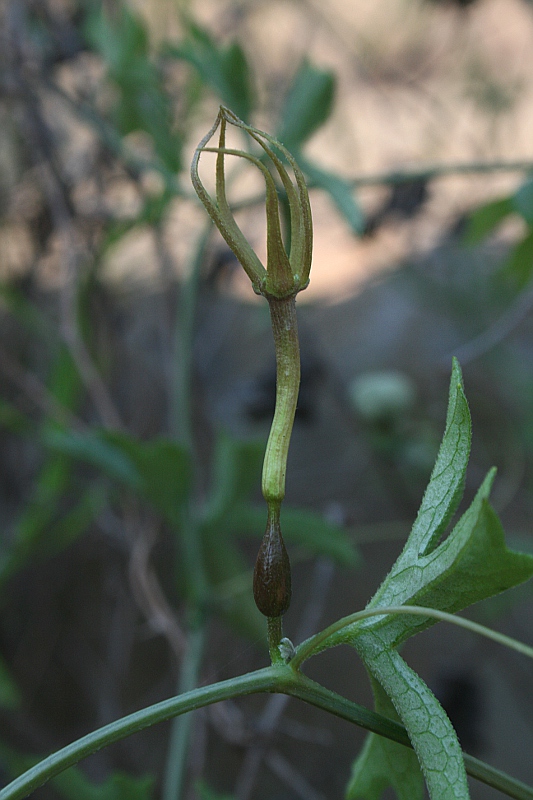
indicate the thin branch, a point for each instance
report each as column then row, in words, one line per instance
column 271, row 679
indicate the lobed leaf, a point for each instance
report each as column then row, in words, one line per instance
column 431, row 733
column 472, row 563
column 383, row 763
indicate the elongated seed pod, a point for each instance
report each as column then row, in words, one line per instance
column 272, row 573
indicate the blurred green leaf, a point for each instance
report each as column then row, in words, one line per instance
column 519, row 264
column 9, row 693
column 205, row 792
column 158, row 470
column 73, row 524
column 163, row 468
column 484, row 219
column 143, row 104
column 237, row 465
column 523, row 201
column 121, row 41
column 91, row 448
column 307, row 106
column 26, row 312
column 224, row 70
column 14, row 420
column 340, row 191
column 74, row 785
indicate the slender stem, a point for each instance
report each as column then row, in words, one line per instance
column 280, row 679
column 285, row 330
column 264, row 680
column 313, row 645
column 274, row 634
column 181, row 725
column 181, row 400
column 323, row 698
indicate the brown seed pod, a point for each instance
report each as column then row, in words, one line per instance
column 272, row 574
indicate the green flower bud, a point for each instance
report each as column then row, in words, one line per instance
column 285, row 274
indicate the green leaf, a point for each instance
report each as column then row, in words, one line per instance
column 224, row 70
column 143, row 103
column 523, row 201
column 163, row 467
column 73, row 785
column 91, row 448
column 383, row 763
column 307, row 106
column 237, row 465
column 73, row 524
column 430, row 731
column 470, row 564
column 14, row 420
column 340, row 191
column 519, row 264
column 205, row 792
column 484, row 219
column 121, row 42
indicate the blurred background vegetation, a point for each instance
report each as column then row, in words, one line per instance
column 137, row 369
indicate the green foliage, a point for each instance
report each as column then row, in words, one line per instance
column 486, row 218
column 84, row 468
column 308, row 105
column 471, row 564
column 143, row 104
column 73, row 785
column 206, row 793
column 383, row 763
column 224, row 70
column 518, row 265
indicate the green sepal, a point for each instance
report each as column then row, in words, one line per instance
column 285, row 273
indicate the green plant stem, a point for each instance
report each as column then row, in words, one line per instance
column 314, row 645
column 181, row 422
column 285, row 331
column 274, row 634
column 280, row 679
column 181, row 725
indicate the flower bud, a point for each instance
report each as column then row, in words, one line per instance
column 272, row 574
column 286, row 273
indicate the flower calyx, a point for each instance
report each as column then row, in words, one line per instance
column 286, row 273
